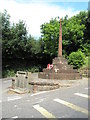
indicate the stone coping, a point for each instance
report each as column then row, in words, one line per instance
column 42, row 83
column 53, row 82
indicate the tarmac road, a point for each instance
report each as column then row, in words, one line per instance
column 67, row 102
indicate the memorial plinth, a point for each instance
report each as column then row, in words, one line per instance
column 61, row 71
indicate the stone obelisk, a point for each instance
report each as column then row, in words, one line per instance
column 60, row 41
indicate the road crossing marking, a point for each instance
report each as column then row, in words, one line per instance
column 13, row 98
column 15, row 105
column 44, row 112
column 87, row 88
column 15, row 117
column 82, row 95
column 39, row 93
column 75, row 107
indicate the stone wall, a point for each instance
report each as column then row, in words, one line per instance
column 85, row 72
column 42, row 86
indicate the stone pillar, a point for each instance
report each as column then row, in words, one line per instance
column 13, row 83
column 60, row 41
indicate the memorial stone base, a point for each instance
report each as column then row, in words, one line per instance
column 60, row 70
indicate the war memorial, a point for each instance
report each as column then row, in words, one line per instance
column 60, row 68
column 51, row 76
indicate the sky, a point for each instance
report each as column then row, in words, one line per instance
column 36, row 12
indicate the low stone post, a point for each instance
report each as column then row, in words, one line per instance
column 13, row 83
column 35, row 88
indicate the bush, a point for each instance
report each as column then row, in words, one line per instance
column 77, row 59
column 8, row 73
column 33, row 69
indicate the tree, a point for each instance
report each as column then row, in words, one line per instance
column 20, row 51
column 50, row 33
column 5, row 25
column 19, row 39
column 5, row 33
column 72, row 33
column 86, row 41
column 77, row 59
column 32, row 48
column 14, row 38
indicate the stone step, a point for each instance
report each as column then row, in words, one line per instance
column 60, row 71
column 63, row 66
column 48, row 71
column 58, row 59
column 19, row 90
column 62, row 62
column 42, row 85
column 59, row 62
column 61, row 76
column 68, row 71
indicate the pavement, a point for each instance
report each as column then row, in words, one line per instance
column 65, row 102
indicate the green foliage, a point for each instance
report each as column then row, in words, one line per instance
column 86, row 65
column 11, row 72
column 34, row 69
column 77, row 59
column 50, row 35
column 85, row 49
column 10, row 69
column 15, row 42
column 8, row 73
column 21, row 49
column 73, row 34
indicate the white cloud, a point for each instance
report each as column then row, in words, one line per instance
column 34, row 14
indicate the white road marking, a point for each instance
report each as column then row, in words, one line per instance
column 13, row 98
column 5, row 81
column 15, row 117
column 43, row 92
column 82, row 95
column 87, row 88
column 39, row 93
column 44, row 112
column 72, row 106
column 0, row 101
column 41, row 100
column 15, row 105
